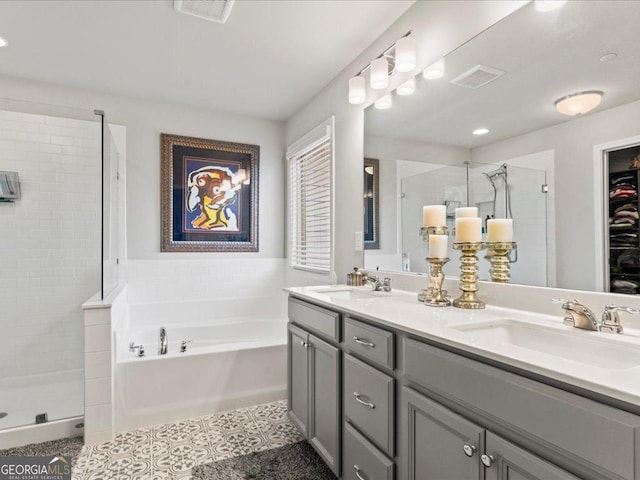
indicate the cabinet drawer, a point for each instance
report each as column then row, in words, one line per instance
column 370, row 342
column 559, row 421
column 317, row 319
column 363, row 459
column 369, row 402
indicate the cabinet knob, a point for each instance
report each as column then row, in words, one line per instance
column 358, row 474
column 487, row 460
column 469, row 450
column 305, row 344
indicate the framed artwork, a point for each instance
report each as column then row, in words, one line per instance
column 209, row 195
column 371, row 208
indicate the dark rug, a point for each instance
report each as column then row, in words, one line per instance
column 297, row 461
column 67, row 447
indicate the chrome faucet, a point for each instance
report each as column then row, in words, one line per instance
column 377, row 285
column 578, row 315
column 163, row 345
column 611, row 319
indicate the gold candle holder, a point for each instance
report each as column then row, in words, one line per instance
column 438, row 296
column 428, row 293
column 498, row 255
column 469, row 275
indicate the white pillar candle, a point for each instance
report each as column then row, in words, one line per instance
column 464, row 212
column 500, row 230
column 438, row 246
column 434, row 216
column 468, row 229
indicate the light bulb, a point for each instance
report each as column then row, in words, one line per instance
column 357, row 90
column 405, row 54
column 379, row 73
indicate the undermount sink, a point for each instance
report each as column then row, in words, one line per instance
column 590, row 348
column 350, row 293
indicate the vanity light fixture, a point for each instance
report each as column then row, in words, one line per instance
column 383, row 103
column 406, row 54
column 357, row 90
column 434, row 71
column 400, row 56
column 579, row 103
column 3, row 42
column 407, row 88
column 548, row 5
column 480, row 131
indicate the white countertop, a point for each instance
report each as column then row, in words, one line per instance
column 609, row 375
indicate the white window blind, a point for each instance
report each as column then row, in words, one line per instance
column 310, row 163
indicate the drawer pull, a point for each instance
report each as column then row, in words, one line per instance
column 364, row 342
column 358, row 474
column 362, row 402
column 469, row 450
column 487, row 460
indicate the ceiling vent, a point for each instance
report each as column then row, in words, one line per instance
column 477, row 77
column 212, row 10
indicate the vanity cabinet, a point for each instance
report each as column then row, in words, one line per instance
column 314, row 392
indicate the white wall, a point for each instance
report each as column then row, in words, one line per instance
column 49, row 241
column 145, row 121
column 575, row 202
column 438, row 28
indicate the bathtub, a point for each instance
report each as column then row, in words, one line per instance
column 229, row 363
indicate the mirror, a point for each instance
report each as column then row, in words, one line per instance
column 546, row 170
column 371, row 210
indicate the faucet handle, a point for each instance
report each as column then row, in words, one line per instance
column 611, row 319
column 140, row 348
column 386, row 284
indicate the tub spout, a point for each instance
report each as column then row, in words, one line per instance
column 163, row 344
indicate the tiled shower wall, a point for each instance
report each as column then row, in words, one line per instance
column 49, row 241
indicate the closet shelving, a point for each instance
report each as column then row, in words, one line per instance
column 624, row 225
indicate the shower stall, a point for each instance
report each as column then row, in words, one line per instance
column 498, row 191
column 58, row 247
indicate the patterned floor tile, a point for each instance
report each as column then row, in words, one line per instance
column 171, row 450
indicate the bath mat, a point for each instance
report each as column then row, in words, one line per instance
column 68, row 447
column 297, row 461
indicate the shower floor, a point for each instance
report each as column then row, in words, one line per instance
column 59, row 394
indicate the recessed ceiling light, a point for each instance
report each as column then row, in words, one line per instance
column 480, row 131
column 579, row 103
column 548, row 5
column 3, row 42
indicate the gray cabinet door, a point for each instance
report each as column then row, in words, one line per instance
column 509, row 462
column 324, row 409
column 436, row 440
column 298, row 378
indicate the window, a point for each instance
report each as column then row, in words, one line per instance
column 310, row 164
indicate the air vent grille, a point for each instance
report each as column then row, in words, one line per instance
column 212, row 10
column 477, row 77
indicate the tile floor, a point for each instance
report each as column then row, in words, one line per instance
column 171, row 450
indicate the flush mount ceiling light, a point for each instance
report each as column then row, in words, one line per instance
column 434, row 71
column 400, row 56
column 357, row 90
column 548, row 5
column 579, row 103
column 407, row 88
column 384, row 102
column 3, row 42
column 480, row 131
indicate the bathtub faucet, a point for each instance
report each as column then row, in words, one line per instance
column 164, row 344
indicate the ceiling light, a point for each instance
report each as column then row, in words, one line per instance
column 434, row 71
column 548, row 5
column 3, row 42
column 579, row 103
column 405, row 54
column 384, row 102
column 407, row 88
column 379, row 73
column 607, row 57
column 357, row 90
column 480, row 131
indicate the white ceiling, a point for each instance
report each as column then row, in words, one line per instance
column 546, row 56
column 267, row 61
